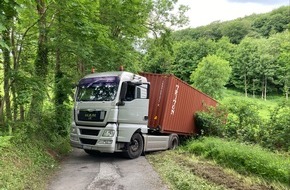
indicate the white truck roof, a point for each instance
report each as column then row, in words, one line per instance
column 124, row 76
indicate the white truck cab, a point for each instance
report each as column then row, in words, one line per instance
column 111, row 115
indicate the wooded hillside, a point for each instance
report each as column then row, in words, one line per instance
column 257, row 48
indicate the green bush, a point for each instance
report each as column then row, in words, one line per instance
column 277, row 135
column 5, row 141
column 244, row 123
column 246, row 159
column 211, row 122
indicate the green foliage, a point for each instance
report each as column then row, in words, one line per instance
column 246, row 159
column 244, row 120
column 212, row 121
column 245, row 59
column 158, row 57
column 188, row 54
column 255, row 51
column 256, row 25
column 27, row 164
column 278, row 128
column 211, row 75
column 273, row 22
column 236, row 30
column 5, row 141
column 234, row 119
column 283, row 61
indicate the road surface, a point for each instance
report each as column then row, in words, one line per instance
column 105, row 172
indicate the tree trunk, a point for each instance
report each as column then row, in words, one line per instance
column 245, row 85
column 81, row 68
column 22, row 113
column 254, row 88
column 7, row 71
column 262, row 89
column 265, row 88
column 60, row 92
column 1, row 111
column 286, row 90
column 41, row 63
column 14, row 84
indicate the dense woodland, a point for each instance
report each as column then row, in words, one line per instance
column 47, row 46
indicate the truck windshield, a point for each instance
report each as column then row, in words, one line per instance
column 97, row 89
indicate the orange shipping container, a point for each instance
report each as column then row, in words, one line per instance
column 173, row 104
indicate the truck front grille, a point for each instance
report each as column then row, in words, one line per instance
column 85, row 115
column 88, row 141
column 89, row 132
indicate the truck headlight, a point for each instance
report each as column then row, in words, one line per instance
column 105, row 141
column 73, row 130
column 74, row 138
column 108, row 133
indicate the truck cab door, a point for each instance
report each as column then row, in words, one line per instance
column 135, row 104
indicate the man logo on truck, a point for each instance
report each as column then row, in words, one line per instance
column 90, row 115
column 174, row 100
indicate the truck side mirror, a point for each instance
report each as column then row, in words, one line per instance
column 123, row 94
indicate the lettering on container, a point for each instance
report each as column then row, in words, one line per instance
column 160, row 94
column 175, row 99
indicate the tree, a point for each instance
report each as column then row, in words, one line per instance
column 159, row 55
column 41, row 62
column 7, row 14
column 211, row 75
column 187, row 56
column 159, row 48
column 266, row 68
column 273, row 22
column 244, row 64
column 283, row 60
column 236, row 30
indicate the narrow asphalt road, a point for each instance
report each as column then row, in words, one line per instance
column 105, row 172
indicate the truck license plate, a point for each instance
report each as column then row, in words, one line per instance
column 87, row 147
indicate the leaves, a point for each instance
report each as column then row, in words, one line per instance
column 211, row 75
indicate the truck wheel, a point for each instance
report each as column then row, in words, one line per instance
column 173, row 141
column 135, row 147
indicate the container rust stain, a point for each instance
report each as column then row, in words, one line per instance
column 173, row 104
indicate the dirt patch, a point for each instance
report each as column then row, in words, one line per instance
column 217, row 174
column 53, row 154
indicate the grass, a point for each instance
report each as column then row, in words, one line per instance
column 182, row 170
column 265, row 106
column 178, row 177
column 214, row 163
column 28, row 165
column 246, row 159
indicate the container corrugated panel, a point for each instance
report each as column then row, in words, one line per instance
column 173, row 104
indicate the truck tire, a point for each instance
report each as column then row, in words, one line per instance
column 135, row 147
column 173, row 141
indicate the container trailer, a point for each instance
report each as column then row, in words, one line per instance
column 134, row 113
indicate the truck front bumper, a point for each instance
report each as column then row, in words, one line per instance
column 105, row 141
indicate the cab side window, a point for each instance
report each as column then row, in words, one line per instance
column 130, row 95
column 136, row 92
column 142, row 91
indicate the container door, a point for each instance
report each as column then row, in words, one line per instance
column 135, row 107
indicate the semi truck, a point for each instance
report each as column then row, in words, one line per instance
column 134, row 113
